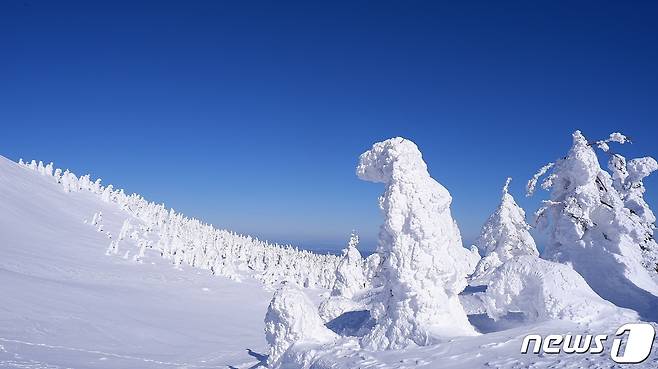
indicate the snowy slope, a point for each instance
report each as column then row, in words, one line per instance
column 65, row 303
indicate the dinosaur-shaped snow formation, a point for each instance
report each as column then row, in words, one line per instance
column 292, row 319
column 544, row 290
column 504, row 236
column 591, row 229
column 424, row 266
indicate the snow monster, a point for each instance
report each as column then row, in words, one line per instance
column 424, row 266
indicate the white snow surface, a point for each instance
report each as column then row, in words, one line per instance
column 542, row 290
column 424, row 265
column 65, row 303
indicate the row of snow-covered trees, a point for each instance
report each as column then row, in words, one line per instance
column 600, row 260
column 190, row 241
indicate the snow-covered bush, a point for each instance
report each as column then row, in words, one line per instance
column 424, row 266
column 292, row 319
column 543, row 290
column 504, row 236
column 590, row 228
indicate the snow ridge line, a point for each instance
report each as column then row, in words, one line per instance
column 188, row 240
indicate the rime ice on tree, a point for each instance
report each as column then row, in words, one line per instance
column 628, row 181
column 504, row 236
column 350, row 280
column 424, row 266
column 290, row 319
column 349, row 273
column 591, row 229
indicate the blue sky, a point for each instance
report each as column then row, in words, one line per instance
column 251, row 115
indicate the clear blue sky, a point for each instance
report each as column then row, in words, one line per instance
column 252, row 115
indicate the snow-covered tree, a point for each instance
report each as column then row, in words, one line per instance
column 424, row 266
column 590, row 228
column 188, row 240
column 349, row 273
column 350, row 281
column 628, row 181
column 504, row 236
column 291, row 318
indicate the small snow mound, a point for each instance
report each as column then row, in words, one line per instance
column 544, row 290
column 291, row 319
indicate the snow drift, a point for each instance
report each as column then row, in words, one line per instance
column 543, row 290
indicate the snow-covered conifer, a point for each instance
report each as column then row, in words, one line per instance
column 291, row 318
column 107, row 193
column 504, row 236
column 424, row 265
column 350, row 280
column 125, row 228
column 58, row 175
column 349, row 273
column 590, row 228
column 628, row 181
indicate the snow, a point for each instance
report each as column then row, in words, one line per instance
column 350, row 277
column 424, row 266
column 64, row 303
column 94, row 278
column 350, row 281
column 189, row 241
column 542, row 290
column 504, row 236
column 292, row 319
column 590, row 229
column 628, row 181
